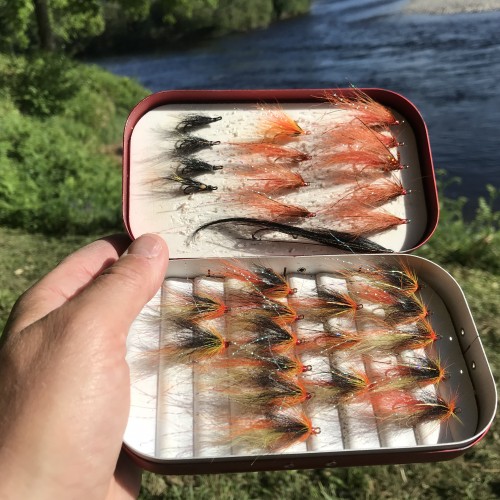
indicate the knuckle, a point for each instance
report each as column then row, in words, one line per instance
column 130, row 273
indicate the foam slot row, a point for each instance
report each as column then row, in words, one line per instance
column 327, row 419
column 175, row 426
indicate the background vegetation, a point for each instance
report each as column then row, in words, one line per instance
column 95, row 26
column 60, row 177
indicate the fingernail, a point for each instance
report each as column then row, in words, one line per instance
column 147, row 245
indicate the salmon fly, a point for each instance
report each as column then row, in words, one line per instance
column 193, row 122
column 397, row 279
column 181, row 307
column 268, row 392
column 274, row 432
column 280, row 313
column 332, row 339
column 192, row 342
column 190, row 186
column 357, row 133
column 264, row 279
column 241, row 366
column 414, row 372
column 396, row 340
column 262, row 204
column 271, row 178
column 191, row 167
column 363, row 162
column 276, row 125
column 328, row 304
column 373, row 194
column 363, row 221
column 272, row 152
column 191, row 144
column 407, row 410
column 341, row 386
column 406, row 310
column 362, row 106
column 262, row 335
column 342, row 240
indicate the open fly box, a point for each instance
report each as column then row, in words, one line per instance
column 293, row 330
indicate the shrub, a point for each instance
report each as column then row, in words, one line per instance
column 474, row 243
column 56, row 175
column 40, row 85
column 50, row 183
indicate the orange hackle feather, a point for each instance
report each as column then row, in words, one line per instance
column 361, row 220
column 362, row 161
column 265, row 206
column 276, row 125
column 273, row 152
column 373, row 194
column 362, row 106
column 271, row 178
column 356, row 134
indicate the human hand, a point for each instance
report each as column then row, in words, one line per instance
column 64, row 381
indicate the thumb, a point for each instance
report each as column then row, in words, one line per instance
column 115, row 298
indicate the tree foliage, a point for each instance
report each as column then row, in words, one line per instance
column 16, row 17
column 70, row 25
column 58, row 24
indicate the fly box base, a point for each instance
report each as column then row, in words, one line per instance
column 184, row 414
column 263, row 380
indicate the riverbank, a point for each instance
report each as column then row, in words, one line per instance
column 450, row 6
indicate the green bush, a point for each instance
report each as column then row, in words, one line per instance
column 50, row 183
column 58, row 172
column 40, row 85
column 475, row 243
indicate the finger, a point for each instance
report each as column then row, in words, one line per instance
column 115, row 298
column 73, row 274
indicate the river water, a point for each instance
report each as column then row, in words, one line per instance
column 448, row 66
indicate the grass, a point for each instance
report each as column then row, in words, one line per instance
column 24, row 258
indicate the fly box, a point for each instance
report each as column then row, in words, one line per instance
column 293, row 330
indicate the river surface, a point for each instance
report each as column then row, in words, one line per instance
column 448, row 66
